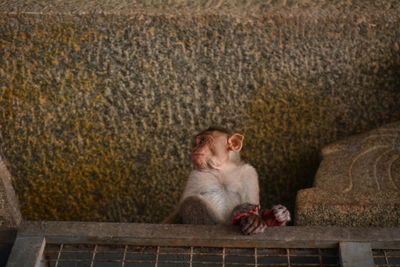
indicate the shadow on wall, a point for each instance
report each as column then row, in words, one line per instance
column 97, row 112
column 287, row 129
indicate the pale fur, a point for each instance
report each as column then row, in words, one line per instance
column 224, row 188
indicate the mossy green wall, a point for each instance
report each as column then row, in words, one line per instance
column 97, row 110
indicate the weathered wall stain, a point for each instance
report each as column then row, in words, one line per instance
column 97, row 110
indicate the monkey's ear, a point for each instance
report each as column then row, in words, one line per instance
column 235, row 142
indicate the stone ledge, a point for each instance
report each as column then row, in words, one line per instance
column 203, row 235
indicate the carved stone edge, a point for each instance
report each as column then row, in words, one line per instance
column 359, row 139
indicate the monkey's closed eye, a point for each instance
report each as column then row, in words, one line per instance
column 201, row 140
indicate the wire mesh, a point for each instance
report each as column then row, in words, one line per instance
column 386, row 257
column 80, row 255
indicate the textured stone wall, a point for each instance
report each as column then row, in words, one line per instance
column 98, row 104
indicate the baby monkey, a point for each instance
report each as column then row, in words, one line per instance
column 222, row 189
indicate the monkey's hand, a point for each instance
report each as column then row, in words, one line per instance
column 252, row 224
column 243, row 210
column 246, row 215
column 278, row 216
column 281, row 213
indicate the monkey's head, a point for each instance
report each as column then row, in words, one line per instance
column 215, row 148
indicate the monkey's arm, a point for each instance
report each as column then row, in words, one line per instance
column 249, row 181
column 172, row 218
column 246, row 214
column 278, row 215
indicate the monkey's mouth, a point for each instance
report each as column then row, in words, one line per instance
column 197, row 156
column 198, row 159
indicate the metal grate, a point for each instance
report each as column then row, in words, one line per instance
column 386, row 257
column 80, row 255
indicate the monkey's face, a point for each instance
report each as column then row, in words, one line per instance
column 210, row 150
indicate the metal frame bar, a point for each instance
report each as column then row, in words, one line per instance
column 196, row 256
column 27, row 251
column 353, row 254
column 33, row 236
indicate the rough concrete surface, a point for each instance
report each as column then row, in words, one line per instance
column 357, row 183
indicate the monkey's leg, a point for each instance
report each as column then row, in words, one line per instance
column 172, row 219
column 194, row 210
